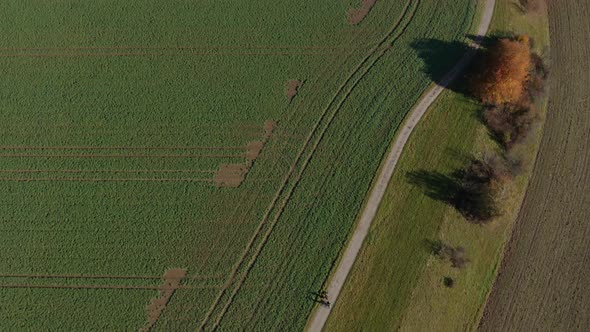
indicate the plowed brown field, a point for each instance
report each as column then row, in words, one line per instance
column 544, row 282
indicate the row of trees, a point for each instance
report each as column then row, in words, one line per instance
column 508, row 81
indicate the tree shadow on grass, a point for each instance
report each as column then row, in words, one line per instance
column 440, row 57
column 468, row 193
column 432, row 247
column 435, row 185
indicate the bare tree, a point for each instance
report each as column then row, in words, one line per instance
column 457, row 256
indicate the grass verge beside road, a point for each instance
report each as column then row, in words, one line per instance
column 396, row 282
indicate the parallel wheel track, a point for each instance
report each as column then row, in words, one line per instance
column 289, row 184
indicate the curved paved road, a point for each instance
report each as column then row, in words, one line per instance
column 345, row 265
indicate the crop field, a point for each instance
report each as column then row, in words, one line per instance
column 543, row 281
column 182, row 165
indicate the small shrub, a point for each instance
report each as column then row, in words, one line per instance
column 509, row 125
column 511, row 119
column 538, row 77
column 448, row 282
column 475, row 195
column 457, row 256
column 442, row 250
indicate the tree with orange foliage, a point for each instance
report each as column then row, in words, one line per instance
column 505, row 74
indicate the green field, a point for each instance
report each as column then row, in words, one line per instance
column 397, row 283
column 116, row 117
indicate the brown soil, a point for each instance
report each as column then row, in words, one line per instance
column 543, row 283
column 232, row 175
column 173, row 278
column 293, row 88
column 269, row 127
column 254, row 149
column 356, row 16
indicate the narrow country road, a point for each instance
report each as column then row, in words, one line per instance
column 336, row 283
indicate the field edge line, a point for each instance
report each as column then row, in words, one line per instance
column 361, row 70
column 354, row 244
column 298, row 158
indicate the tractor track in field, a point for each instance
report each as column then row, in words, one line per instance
column 305, row 163
column 300, row 110
column 91, row 276
column 57, row 284
column 72, row 147
column 154, row 54
column 104, row 287
column 173, row 48
column 354, row 245
column 105, row 180
column 292, row 236
column 90, row 155
column 132, row 171
column 328, row 72
column 205, row 128
column 176, row 51
column 343, row 93
column 295, row 233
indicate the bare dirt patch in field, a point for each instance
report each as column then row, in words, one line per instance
column 293, row 88
column 254, row 149
column 356, row 16
column 173, row 278
column 232, row 175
